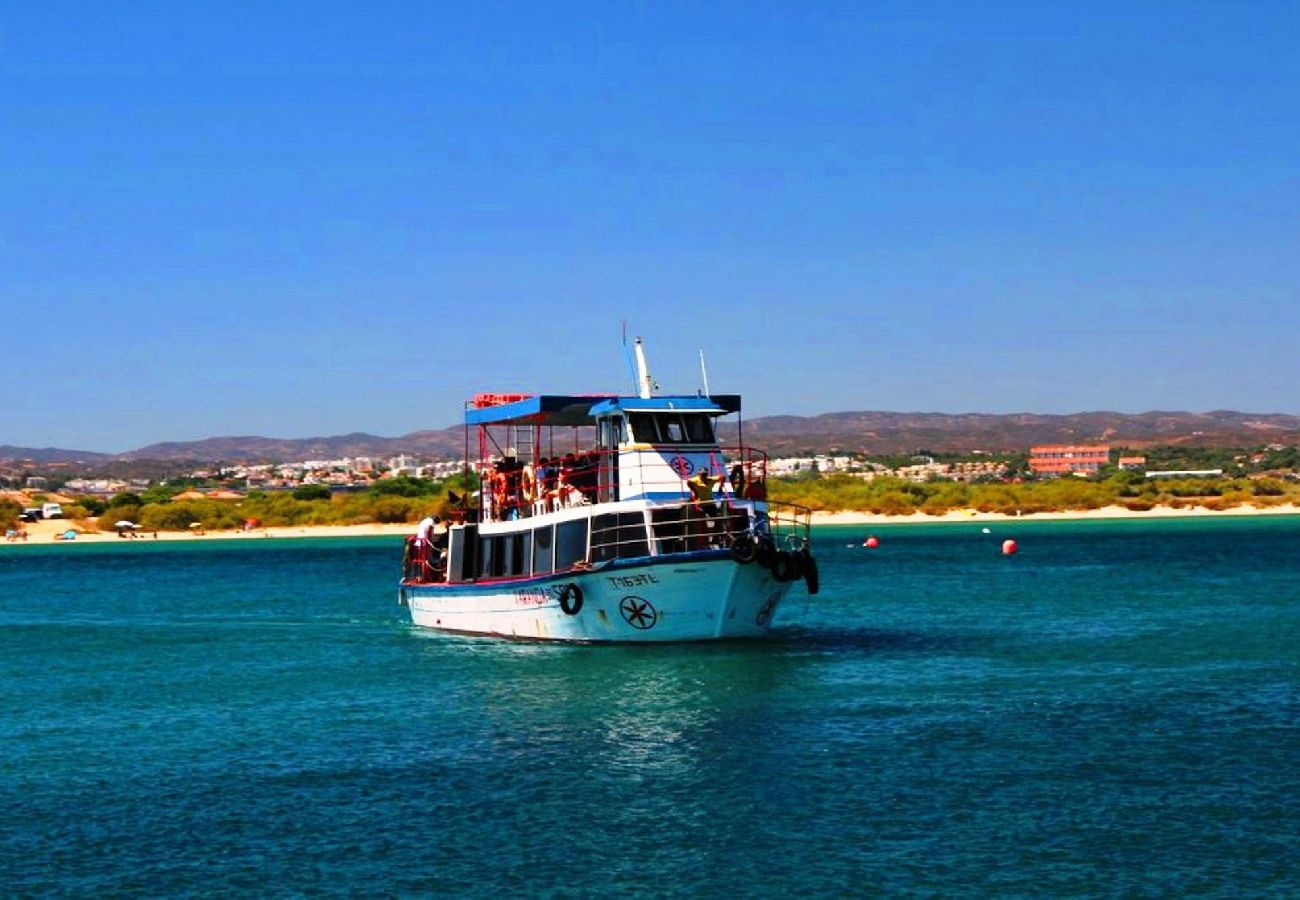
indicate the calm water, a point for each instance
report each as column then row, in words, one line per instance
column 1114, row 711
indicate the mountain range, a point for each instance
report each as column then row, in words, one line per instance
column 866, row 432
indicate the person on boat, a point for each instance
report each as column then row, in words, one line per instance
column 703, row 507
column 545, row 482
column 737, row 479
column 424, row 531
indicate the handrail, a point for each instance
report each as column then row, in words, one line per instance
column 653, row 530
column 520, row 490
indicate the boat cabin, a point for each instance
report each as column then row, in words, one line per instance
column 574, row 481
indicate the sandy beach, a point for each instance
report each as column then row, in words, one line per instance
column 1105, row 512
column 46, row 532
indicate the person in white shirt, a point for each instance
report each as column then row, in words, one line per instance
column 424, row 531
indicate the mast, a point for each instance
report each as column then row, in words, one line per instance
column 645, row 385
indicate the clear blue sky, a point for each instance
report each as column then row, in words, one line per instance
column 297, row 219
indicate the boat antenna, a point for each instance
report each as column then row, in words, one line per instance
column 704, row 373
column 645, row 384
column 627, row 357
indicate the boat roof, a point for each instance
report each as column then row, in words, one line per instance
column 582, row 409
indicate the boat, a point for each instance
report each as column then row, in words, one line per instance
column 609, row 518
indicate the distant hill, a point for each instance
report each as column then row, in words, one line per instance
column 865, row 432
column 50, row 455
column 446, row 443
column 890, row 432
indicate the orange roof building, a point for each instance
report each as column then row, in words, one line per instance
column 1068, row 459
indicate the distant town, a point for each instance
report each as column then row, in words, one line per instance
column 362, row 472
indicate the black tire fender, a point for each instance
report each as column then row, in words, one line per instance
column 571, row 599
column 782, row 565
column 744, row 549
column 811, row 577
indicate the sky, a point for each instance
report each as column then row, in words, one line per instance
column 301, row 219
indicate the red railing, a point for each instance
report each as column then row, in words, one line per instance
column 515, row 489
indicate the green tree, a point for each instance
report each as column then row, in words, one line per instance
column 404, row 486
column 159, row 493
column 311, row 492
column 9, row 513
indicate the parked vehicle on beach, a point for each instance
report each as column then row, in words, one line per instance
column 52, row 510
column 609, row 518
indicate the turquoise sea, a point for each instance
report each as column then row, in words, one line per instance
column 1113, row 711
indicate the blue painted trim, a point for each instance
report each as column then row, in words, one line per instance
column 659, row 404
column 580, row 409
column 540, row 409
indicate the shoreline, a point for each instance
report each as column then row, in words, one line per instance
column 956, row 516
column 44, row 532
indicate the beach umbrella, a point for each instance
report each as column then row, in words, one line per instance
column 196, row 524
column 124, row 523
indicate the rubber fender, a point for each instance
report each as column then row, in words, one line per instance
column 571, row 599
column 811, row 577
column 744, row 549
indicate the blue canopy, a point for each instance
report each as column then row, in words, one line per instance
column 581, row 409
column 718, row 405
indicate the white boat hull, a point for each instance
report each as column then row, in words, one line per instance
column 664, row 599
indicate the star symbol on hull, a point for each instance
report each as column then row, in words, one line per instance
column 638, row 612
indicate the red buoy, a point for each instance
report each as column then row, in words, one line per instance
column 1009, row 547
column 871, row 542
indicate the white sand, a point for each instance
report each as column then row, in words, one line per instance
column 44, row 532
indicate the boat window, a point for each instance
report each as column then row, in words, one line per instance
column 519, row 548
column 491, row 557
column 699, row 429
column 619, row 536
column 671, row 429
column 542, row 550
column 570, row 543
column 643, row 428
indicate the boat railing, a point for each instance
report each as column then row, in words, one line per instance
column 514, row 490
column 606, row 534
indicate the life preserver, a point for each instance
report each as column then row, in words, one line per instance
column 528, row 483
column 811, row 577
column 571, row 599
column 744, row 549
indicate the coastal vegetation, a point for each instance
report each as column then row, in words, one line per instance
column 1264, row 477
column 394, row 500
column 897, row 496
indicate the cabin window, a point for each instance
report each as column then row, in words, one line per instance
column 519, row 549
column 570, row 543
column 542, row 550
column 674, row 433
column 491, row 557
column 699, row 429
column 671, row 527
column 619, row 536
column 643, row 428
